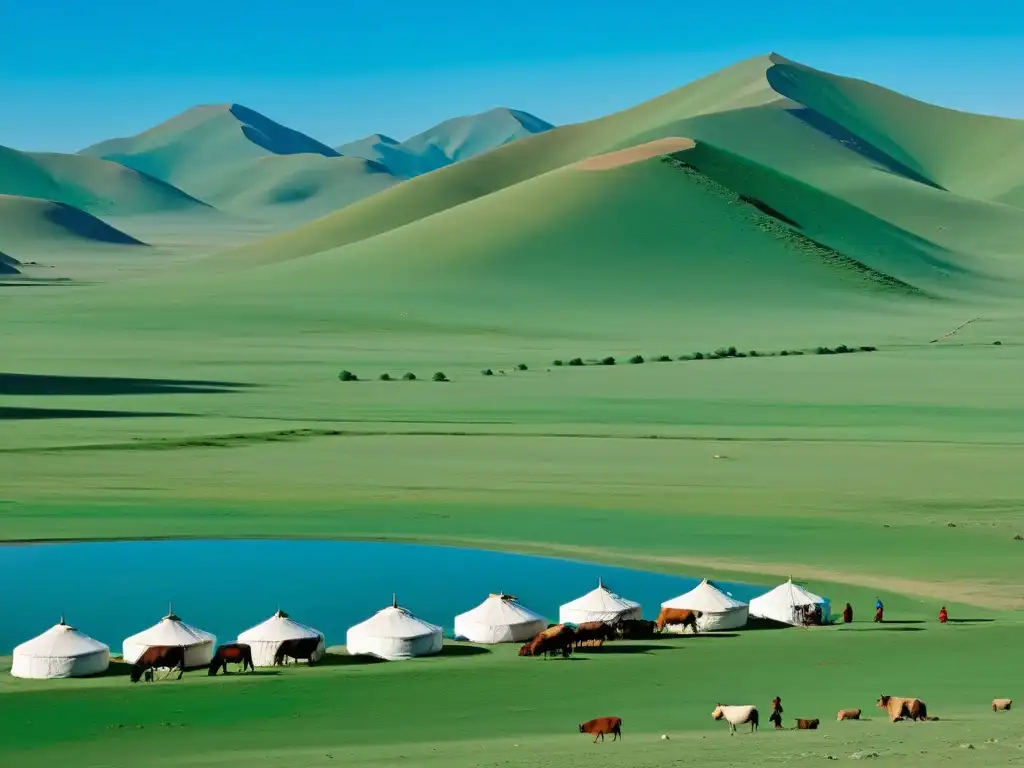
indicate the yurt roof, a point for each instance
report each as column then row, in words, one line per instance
column 280, row 626
column 790, row 594
column 171, row 630
column 601, row 599
column 60, row 641
column 706, row 597
column 501, row 610
column 395, row 621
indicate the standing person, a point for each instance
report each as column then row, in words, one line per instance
column 943, row 616
column 776, row 716
column 878, row 609
column 848, row 614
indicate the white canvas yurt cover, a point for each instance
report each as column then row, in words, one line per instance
column 499, row 619
column 61, row 651
column 393, row 634
column 171, row 630
column 600, row 604
column 786, row 604
column 719, row 611
column 266, row 637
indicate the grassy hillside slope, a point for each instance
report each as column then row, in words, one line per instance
column 737, row 111
column 32, row 225
column 91, row 184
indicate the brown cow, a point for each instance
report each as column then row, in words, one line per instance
column 903, row 708
column 1001, row 705
column 593, row 633
column 848, row 714
column 599, row 726
column 682, row 616
column 556, row 639
column 807, row 725
column 158, row 657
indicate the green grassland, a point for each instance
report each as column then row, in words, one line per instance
column 805, row 216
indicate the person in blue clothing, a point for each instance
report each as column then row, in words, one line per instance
column 878, row 609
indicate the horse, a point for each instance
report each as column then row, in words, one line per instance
column 307, row 648
column 159, row 657
column 236, row 653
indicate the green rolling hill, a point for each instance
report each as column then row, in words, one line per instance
column 36, row 226
column 94, row 185
column 777, row 209
column 8, row 265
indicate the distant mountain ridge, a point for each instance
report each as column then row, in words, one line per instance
column 459, row 138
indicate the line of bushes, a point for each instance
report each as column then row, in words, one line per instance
column 349, row 376
column 722, row 353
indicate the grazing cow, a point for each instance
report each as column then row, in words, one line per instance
column 807, row 725
column 635, row 629
column 308, row 648
column 682, row 616
column 848, row 714
column 557, row 639
column 235, row 653
column 599, row 726
column 159, row 657
column 737, row 715
column 1001, row 705
column 903, row 708
column 594, row 633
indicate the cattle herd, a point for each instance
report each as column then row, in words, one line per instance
column 897, row 708
column 562, row 639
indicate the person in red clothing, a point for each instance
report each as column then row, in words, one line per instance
column 776, row 716
column 848, row 614
column 943, row 616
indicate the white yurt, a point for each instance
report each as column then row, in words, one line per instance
column 171, row 630
column 719, row 610
column 266, row 637
column 393, row 634
column 61, row 651
column 786, row 604
column 499, row 619
column 600, row 604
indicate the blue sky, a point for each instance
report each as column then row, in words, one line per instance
column 73, row 73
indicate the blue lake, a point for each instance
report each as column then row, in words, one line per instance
column 110, row 590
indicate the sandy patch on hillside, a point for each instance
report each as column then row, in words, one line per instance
column 609, row 160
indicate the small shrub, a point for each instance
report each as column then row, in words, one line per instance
column 823, row 351
column 842, row 349
column 997, row 343
column 698, row 355
column 608, row 360
column 731, row 352
column 636, row 359
column 487, row 372
column 557, row 363
column 685, row 357
column 719, row 353
column 869, row 349
column 796, row 352
column 664, row 359
column 439, row 377
column 753, row 353
column 576, row 362
column 522, row 367
column 347, row 376
column 409, row 377
column 385, row 377
column 740, row 354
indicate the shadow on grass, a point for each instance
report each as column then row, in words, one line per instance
column 40, row 384
column 709, row 635
column 456, row 651
column 970, row 621
column 884, row 628
column 117, row 669
column 262, row 672
column 627, row 649
column 908, row 621
column 343, row 659
column 29, row 414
